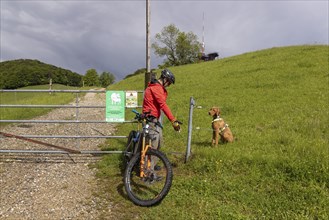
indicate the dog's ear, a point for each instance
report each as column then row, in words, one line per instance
column 216, row 110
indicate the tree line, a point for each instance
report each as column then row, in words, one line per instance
column 91, row 78
column 25, row 72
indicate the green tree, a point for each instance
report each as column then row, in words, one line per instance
column 91, row 78
column 178, row 47
column 106, row 79
column 187, row 48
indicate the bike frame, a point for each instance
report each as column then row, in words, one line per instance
column 144, row 162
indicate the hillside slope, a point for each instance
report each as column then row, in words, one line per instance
column 24, row 72
column 276, row 104
column 277, row 84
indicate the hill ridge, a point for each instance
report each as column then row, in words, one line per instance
column 26, row 72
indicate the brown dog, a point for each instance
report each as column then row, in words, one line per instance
column 220, row 128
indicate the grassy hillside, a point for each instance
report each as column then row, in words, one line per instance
column 24, row 72
column 276, row 103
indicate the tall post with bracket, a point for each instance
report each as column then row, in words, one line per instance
column 189, row 136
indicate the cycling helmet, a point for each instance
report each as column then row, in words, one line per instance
column 166, row 74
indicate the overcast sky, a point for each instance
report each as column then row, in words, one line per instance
column 110, row 35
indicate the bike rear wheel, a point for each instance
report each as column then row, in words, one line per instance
column 152, row 189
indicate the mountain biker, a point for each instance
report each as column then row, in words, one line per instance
column 154, row 102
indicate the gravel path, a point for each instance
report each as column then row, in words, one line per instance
column 53, row 186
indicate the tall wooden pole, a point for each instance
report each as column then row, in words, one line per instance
column 148, row 56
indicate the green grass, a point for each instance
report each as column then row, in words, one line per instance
column 33, row 98
column 276, row 103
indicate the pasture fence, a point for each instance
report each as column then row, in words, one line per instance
column 35, row 138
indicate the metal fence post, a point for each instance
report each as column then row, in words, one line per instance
column 77, row 119
column 189, row 136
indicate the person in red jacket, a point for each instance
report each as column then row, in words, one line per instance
column 155, row 97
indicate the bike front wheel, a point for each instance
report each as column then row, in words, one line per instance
column 154, row 185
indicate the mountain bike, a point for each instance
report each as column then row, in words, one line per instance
column 148, row 174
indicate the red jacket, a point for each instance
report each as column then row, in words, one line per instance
column 155, row 96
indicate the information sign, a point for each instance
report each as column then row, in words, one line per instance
column 115, row 106
column 131, row 99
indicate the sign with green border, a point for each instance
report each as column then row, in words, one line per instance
column 115, row 106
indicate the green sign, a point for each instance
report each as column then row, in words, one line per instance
column 115, row 106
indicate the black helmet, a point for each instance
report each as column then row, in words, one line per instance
column 166, row 74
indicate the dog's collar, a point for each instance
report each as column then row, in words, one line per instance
column 217, row 119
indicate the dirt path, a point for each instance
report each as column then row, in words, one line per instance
column 56, row 186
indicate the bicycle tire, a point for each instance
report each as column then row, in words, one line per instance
column 144, row 192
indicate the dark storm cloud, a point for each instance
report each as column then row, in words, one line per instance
column 110, row 35
column 75, row 35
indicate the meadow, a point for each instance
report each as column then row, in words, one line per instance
column 276, row 104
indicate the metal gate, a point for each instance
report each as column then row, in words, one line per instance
column 76, row 121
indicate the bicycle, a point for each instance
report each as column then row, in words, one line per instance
column 148, row 174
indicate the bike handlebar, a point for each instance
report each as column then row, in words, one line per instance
column 149, row 118
column 135, row 111
column 145, row 116
column 142, row 116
